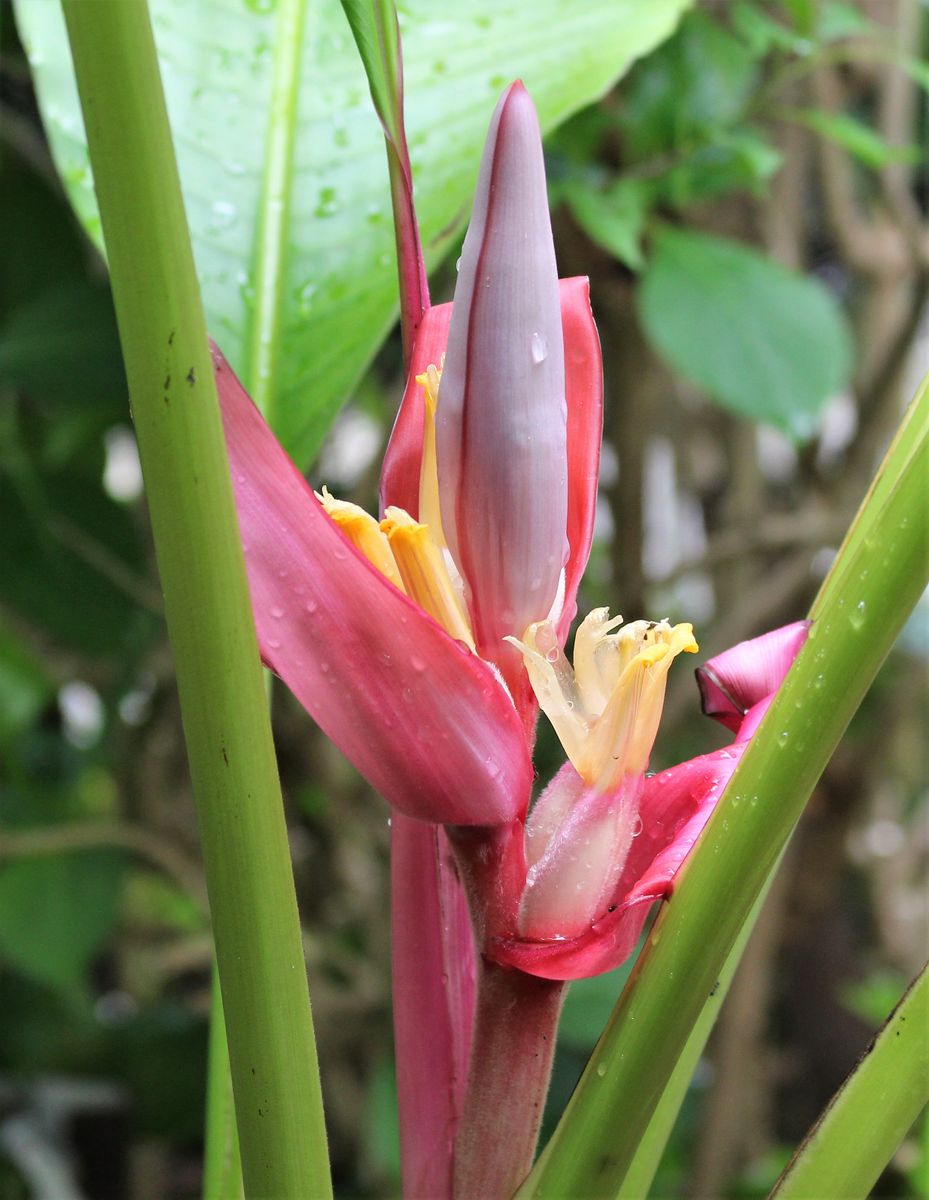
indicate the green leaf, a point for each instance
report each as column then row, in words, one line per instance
column 836, row 21
column 699, row 82
column 374, row 25
column 859, row 1131
column 338, row 289
column 766, row 343
column 588, row 1005
column 854, row 136
column 916, row 68
column 761, row 33
column 872, row 997
column 56, row 911
column 614, row 219
column 25, row 687
column 63, row 527
column 731, row 160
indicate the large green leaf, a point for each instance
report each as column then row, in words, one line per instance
column 761, row 340
column 56, row 910
column 338, row 299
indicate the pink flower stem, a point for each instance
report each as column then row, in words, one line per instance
column 511, row 1064
column 515, row 1027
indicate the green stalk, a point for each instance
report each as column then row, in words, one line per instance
column 878, row 578
column 274, row 214
column 222, row 1162
column 639, row 1178
column 856, row 1136
column 226, row 725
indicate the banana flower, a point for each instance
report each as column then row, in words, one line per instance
column 423, row 643
column 391, row 633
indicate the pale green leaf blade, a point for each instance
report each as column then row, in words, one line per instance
column 762, row 341
column 339, row 293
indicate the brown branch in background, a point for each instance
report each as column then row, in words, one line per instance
column 86, row 835
column 776, row 532
column 873, row 246
column 896, row 120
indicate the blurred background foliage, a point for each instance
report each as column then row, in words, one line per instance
column 751, row 205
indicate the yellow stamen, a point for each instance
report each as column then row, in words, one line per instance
column 364, row 532
column 607, row 707
column 425, row 576
column 429, row 509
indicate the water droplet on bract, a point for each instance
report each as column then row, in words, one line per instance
column 818, row 681
column 311, row 606
column 273, row 644
column 856, row 619
column 417, row 664
column 552, row 655
column 601, row 1069
column 324, row 667
column 783, row 737
column 458, row 264
column 539, row 347
column 637, row 826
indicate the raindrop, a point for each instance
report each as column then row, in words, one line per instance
column 305, row 296
column 311, row 606
column 601, row 1069
column 818, row 681
column 637, row 826
column 552, row 655
column 223, row 214
column 274, row 644
column 539, row 348
column 277, row 613
column 328, row 203
column 417, row 664
column 247, row 291
column 783, row 737
column 857, row 617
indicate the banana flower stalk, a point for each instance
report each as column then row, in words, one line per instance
column 424, row 643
